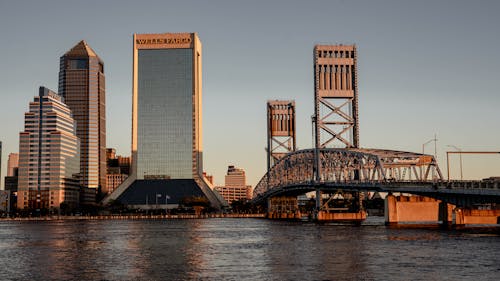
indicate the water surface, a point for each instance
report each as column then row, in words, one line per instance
column 242, row 249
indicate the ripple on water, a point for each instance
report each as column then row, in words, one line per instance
column 242, row 249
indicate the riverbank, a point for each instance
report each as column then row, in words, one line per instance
column 134, row 217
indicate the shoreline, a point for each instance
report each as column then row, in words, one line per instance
column 134, row 217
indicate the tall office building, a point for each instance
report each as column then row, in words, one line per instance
column 166, row 119
column 12, row 164
column 82, row 85
column 166, row 110
column 48, row 154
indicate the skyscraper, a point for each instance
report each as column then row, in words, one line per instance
column 82, row 85
column 166, row 127
column 166, row 116
column 48, row 154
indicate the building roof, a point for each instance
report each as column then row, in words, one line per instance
column 81, row 49
column 176, row 189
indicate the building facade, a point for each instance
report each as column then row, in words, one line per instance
column 48, row 154
column 166, row 127
column 113, row 180
column 166, row 116
column 235, row 187
column 12, row 164
column 82, row 85
column 117, row 169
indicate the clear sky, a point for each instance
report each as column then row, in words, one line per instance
column 424, row 67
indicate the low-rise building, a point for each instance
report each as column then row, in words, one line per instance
column 235, row 187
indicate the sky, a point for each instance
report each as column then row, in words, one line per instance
column 424, row 68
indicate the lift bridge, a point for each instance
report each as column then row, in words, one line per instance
column 359, row 169
column 336, row 164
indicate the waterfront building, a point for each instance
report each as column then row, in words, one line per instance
column 48, row 154
column 10, row 181
column 82, row 85
column 117, row 169
column 166, row 121
column 5, row 201
column 235, row 187
column 12, row 164
column 113, row 180
column 123, row 164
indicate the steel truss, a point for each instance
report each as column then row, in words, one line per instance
column 281, row 138
column 336, row 96
column 348, row 166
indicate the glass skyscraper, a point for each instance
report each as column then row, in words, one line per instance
column 82, row 85
column 165, row 114
column 166, row 119
column 166, row 133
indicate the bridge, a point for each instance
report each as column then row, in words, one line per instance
column 352, row 170
column 331, row 170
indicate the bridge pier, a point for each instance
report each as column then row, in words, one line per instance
column 472, row 216
column 415, row 209
column 283, row 207
column 420, row 209
column 340, row 217
column 318, row 200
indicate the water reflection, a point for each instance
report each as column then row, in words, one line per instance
column 241, row 249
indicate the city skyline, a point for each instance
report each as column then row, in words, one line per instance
column 420, row 71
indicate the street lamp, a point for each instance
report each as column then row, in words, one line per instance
column 435, row 151
column 166, row 204
column 156, row 197
column 429, row 141
column 460, row 153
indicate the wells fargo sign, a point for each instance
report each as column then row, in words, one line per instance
column 185, row 40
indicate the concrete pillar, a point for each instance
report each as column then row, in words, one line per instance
column 390, row 210
column 459, row 217
column 318, row 199
column 445, row 213
column 474, row 216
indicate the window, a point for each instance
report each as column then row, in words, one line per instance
column 77, row 64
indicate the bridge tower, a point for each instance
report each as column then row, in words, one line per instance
column 335, row 102
column 336, row 96
column 280, row 130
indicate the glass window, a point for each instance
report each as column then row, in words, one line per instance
column 165, row 113
column 77, row 64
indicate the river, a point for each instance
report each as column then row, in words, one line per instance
column 242, row 249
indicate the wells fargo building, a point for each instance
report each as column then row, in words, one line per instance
column 166, row 119
column 166, row 112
